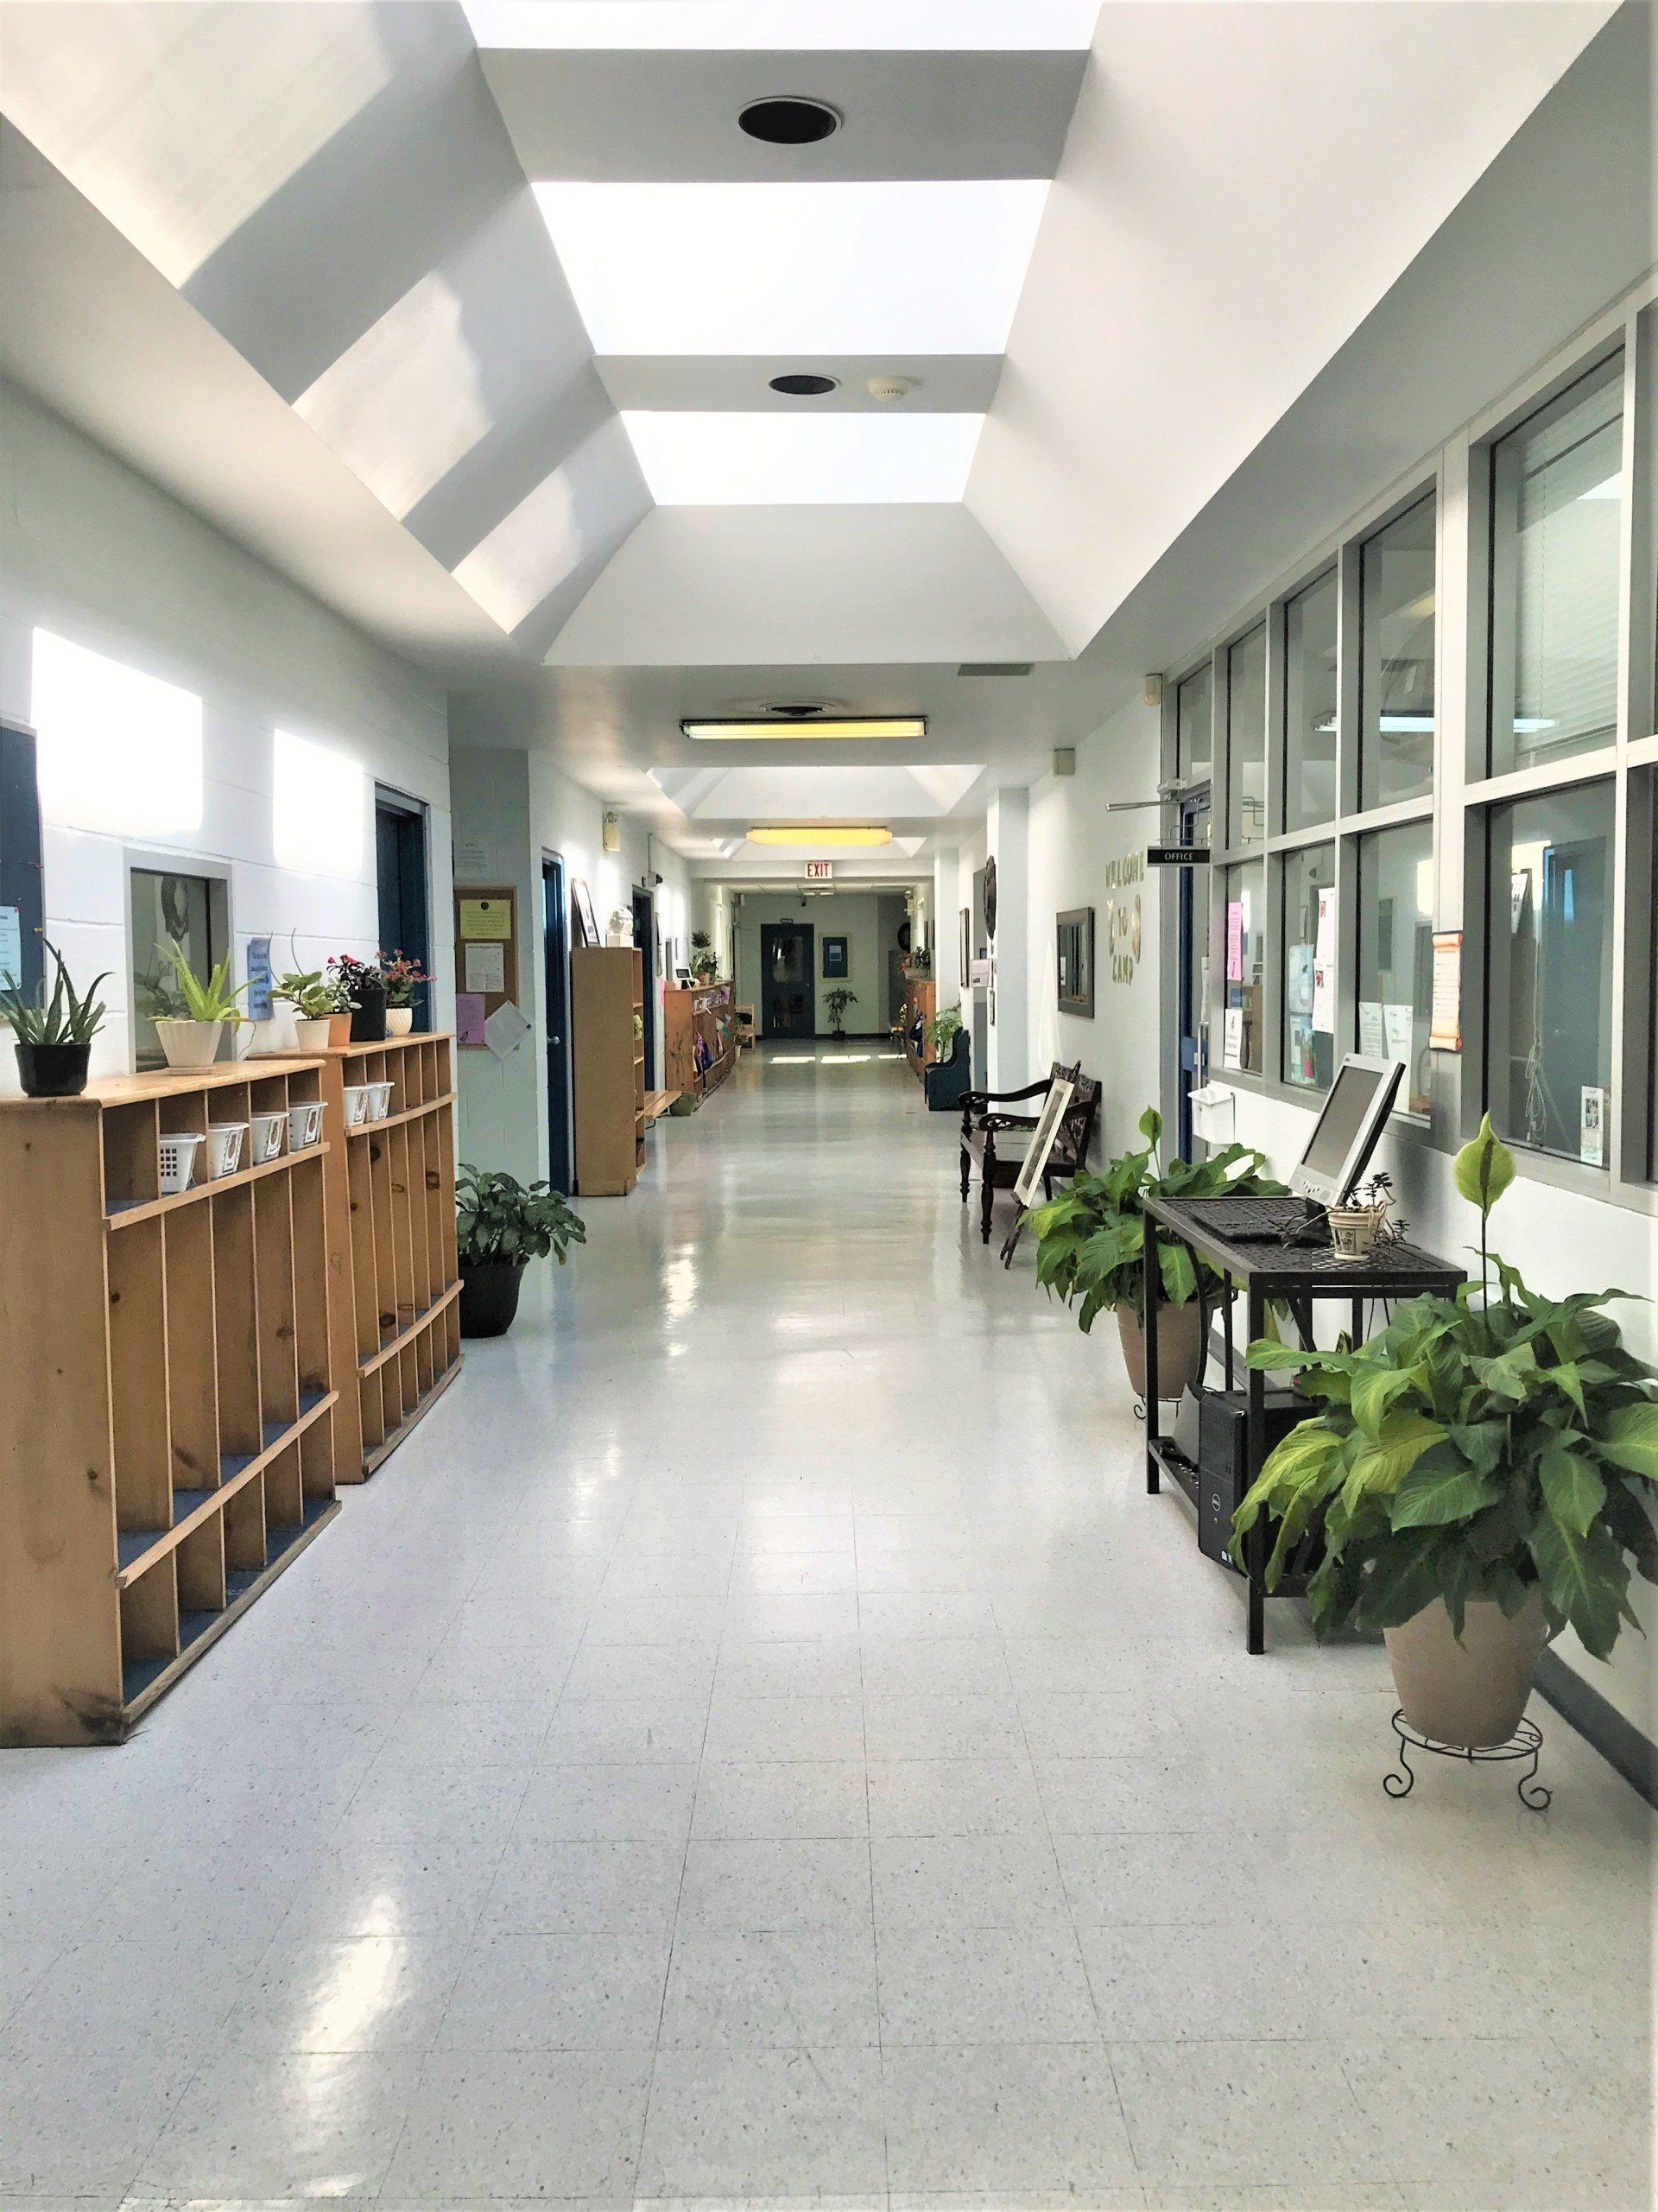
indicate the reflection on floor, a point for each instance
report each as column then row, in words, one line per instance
column 758, row 1740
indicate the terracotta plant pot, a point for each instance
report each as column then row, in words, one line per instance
column 1473, row 1693
column 488, row 1297
column 339, row 1029
column 52, row 1071
column 1180, row 1333
column 189, row 1044
column 312, row 1033
column 399, row 1020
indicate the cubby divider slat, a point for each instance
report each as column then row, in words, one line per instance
column 409, row 1300
column 192, row 1368
column 235, row 1305
column 284, row 1491
column 138, row 1337
column 305, row 1189
column 384, row 1253
column 201, row 1568
column 414, row 1179
column 272, row 1239
column 149, row 1625
column 365, row 1298
column 245, row 1532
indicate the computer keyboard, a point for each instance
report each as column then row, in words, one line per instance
column 1260, row 1221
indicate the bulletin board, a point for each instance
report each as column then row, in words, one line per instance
column 486, row 957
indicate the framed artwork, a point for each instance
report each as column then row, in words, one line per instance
column 1027, row 1189
column 835, row 956
column 1074, row 944
column 581, row 899
column 965, row 951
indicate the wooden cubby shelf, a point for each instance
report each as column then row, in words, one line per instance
column 168, row 1446
column 703, row 1035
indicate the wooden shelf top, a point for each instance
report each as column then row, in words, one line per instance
column 162, row 1083
column 125, row 1212
column 388, row 1043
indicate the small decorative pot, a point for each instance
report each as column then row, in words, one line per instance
column 1474, row 1693
column 1352, row 1230
column 1180, row 1347
column 189, row 1044
column 369, row 1019
column 52, row 1071
column 399, row 1020
column 488, row 1297
column 339, row 1029
column 314, row 1033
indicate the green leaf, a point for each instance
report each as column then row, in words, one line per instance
column 1383, row 1464
column 1374, row 1391
column 1484, row 1168
column 1572, row 1491
column 1630, row 1440
column 1434, row 1494
column 1150, row 1125
column 1179, row 1276
column 1584, row 1577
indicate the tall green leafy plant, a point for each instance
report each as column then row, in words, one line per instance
column 1489, row 1446
column 68, row 1016
column 499, row 1219
column 942, row 1030
column 1091, row 1239
column 213, row 1000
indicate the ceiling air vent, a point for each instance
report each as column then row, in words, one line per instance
column 996, row 667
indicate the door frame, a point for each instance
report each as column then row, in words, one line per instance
column 644, row 903
column 555, row 1011
column 806, row 930
column 414, row 884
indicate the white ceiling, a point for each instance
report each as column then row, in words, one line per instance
column 303, row 281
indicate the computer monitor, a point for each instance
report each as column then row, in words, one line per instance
column 1344, row 1136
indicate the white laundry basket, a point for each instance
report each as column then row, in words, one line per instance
column 265, row 1138
column 358, row 1096
column 178, row 1161
column 224, row 1148
column 304, row 1124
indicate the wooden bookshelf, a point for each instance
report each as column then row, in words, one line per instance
column 920, row 997
column 393, row 1269
column 705, row 1011
column 607, row 1006
column 166, row 1443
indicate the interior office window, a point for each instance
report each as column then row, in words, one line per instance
column 1396, row 952
column 1246, row 738
column 1549, row 930
column 1556, row 520
column 166, row 906
column 1242, row 1046
column 1396, row 591
column 1194, row 726
column 1309, row 952
column 1310, row 704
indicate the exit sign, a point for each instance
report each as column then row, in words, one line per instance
column 819, row 871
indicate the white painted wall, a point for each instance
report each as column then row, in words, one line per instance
column 855, row 916
column 1073, row 841
column 94, row 554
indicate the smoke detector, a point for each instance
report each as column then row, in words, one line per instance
column 888, row 389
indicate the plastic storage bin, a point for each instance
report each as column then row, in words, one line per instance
column 224, row 1148
column 265, row 1138
column 379, row 1101
column 304, row 1124
column 179, row 1161
column 356, row 1104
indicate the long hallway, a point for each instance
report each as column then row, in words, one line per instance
column 758, row 1740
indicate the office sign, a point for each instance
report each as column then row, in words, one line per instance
column 1177, row 856
column 819, row 871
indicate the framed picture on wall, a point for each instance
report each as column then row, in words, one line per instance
column 965, row 950
column 1074, row 946
column 835, row 956
column 586, row 923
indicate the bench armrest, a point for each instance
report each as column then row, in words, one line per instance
column 981, row 1099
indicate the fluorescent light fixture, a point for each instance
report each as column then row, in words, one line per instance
column 319, row 809
column 789, row 26
column 821, row 833
column 119, row 750
column 912, row 266
column 722, row 459
column 808, row 725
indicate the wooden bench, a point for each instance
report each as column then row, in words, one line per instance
column 996, row 1143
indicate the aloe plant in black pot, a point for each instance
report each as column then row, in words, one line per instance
column 54, row 1036
column 500, row 1226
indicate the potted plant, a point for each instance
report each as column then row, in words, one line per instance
column 191, row 1015
column 837, row 1001
column 317, row 1000
column 1483, row 1468
column 54, row 1036
column 704, row 966
column 365, row 992
column 1091, row 1250
column 403, row 978
column 501, row 1225
column 942, row 1030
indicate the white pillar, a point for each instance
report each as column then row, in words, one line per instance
column 1008, row 833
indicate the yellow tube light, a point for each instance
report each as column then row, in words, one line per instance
column 810, row 726
column 820, row 832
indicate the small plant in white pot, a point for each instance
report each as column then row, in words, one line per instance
column 403, row 978
column 1485, row 1470
column 316, row 998
column 193, row 1015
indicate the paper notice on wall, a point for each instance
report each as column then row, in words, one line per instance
column 486, row 918
column 1445, row 1033
column 1232, row 1040
column 485, row 968
column 11, row 945
column 469, row 1017
column 1372, row 1029
column 259, row 979
column 1400, row 1032
column 505, row 1030
column 1324, row 995
column 1298, row 979
column 472, row 858
column 1234, row 941
column 1591, row 1126
column 1323, row 949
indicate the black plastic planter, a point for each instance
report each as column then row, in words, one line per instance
column 52, row 1071
column 369, row 1015
column 488, row 1297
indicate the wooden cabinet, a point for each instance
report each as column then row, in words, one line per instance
column 703, row 1035
column 921, row 996
column 607, row 1010
column 167, row 1446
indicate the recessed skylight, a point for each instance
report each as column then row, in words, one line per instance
column 723, row 460
column 906, row 267
column 796, row 26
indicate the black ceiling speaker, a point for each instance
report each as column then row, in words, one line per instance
column 789, row 122
column 799, row 386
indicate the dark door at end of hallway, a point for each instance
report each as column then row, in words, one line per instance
column 788, row 1004
column 555, row 954
column 400, row 879
column 644, row 935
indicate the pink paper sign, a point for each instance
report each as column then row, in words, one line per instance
column 1234, row 941
column 469, row 1017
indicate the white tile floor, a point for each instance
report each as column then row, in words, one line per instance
column 757, row 1741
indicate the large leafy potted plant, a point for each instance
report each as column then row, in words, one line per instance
column 704, row 964
column 501, row 1225
column 836, row 1001
column 1484, row 1469
column 53, row 1036
column 1090, row 1251
column 941, row 1031
column 191, row 1014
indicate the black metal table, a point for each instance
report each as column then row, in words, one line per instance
column 1296, row 1276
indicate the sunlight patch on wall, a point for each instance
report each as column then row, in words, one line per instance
column 119, row 750
column 320, row 808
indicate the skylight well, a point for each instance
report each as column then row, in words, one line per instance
column 730, row 460
column 787, row 26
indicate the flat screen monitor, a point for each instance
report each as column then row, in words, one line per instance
column 1345, row 1133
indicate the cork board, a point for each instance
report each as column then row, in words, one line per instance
column 486, row 957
